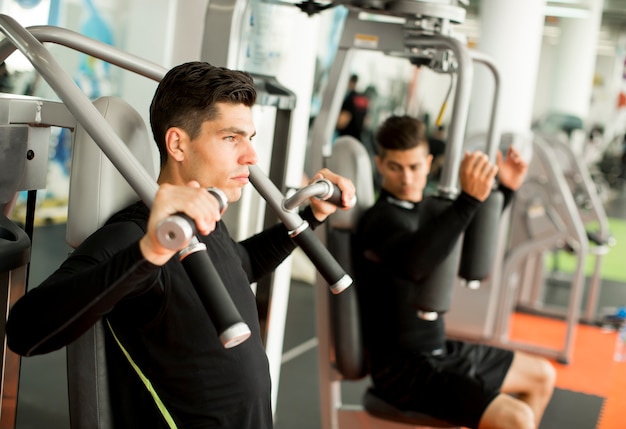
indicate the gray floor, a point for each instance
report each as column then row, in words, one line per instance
column 43, row 393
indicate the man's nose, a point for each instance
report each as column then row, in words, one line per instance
column 249, row 156
column 407, row 176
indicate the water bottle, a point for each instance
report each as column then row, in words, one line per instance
column 620, row 346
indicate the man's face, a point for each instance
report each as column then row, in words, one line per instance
column 220, row 155
column 404, row 172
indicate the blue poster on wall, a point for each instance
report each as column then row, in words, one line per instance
column 93, row 76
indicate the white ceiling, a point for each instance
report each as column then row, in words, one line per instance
column 613, row 17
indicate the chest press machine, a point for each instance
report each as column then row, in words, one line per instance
column 584, row 207
column 424, row 39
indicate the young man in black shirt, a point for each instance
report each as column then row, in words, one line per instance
column 413, row 366
column 353, row 112
column 202, row 123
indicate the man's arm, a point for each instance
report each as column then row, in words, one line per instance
column 344, row 119
column 415, row 250
column 414, row 253
column 118, row 260
column 105, row 269
column 345, row 115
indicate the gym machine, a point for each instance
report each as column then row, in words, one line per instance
column 545, row 215
column 591, row 211
column 475, row 318
column 15, row 242
column 273, row 117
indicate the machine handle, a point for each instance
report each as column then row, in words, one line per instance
column 176, row 231
column 301, row 233
column 319, row 255
column 322, row 189
column 229, row 324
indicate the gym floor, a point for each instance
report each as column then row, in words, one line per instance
column 43, row 403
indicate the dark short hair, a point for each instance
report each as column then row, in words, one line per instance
column 400, row 133
column 187, row 95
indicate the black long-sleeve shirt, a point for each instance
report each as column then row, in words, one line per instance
column 394, row 251
column 158, row 317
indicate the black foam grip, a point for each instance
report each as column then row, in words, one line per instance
column 344, row 314
column 481, row 239
column 335, row 195
column 328, row 267
column 434, row 293
column 335, row 198
column 211, row 290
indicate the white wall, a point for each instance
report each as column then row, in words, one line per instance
column 167, row 32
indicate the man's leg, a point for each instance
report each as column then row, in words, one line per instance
column 531, row 379
column 507, row 412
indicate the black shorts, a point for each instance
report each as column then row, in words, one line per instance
column 455, row 386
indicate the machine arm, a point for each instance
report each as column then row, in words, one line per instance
column 300, row 232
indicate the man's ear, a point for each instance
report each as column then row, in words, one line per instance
column 174, row 143
column 429, row 161
column 379, row 162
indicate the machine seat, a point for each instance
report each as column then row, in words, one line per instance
column 381, row 409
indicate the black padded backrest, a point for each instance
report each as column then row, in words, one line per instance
column 350, row 159
column 98, row 190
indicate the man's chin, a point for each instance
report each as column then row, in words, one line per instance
column 410, row 196
column 233, row 195
column 405, row 195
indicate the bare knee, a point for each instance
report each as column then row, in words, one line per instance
column 530, row 375
column 521, row 417
column 546, row 377
column 506, row 412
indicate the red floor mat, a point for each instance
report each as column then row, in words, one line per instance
column 592, row 369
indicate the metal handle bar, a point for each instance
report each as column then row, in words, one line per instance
column 300, row 232
column 322, row 189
